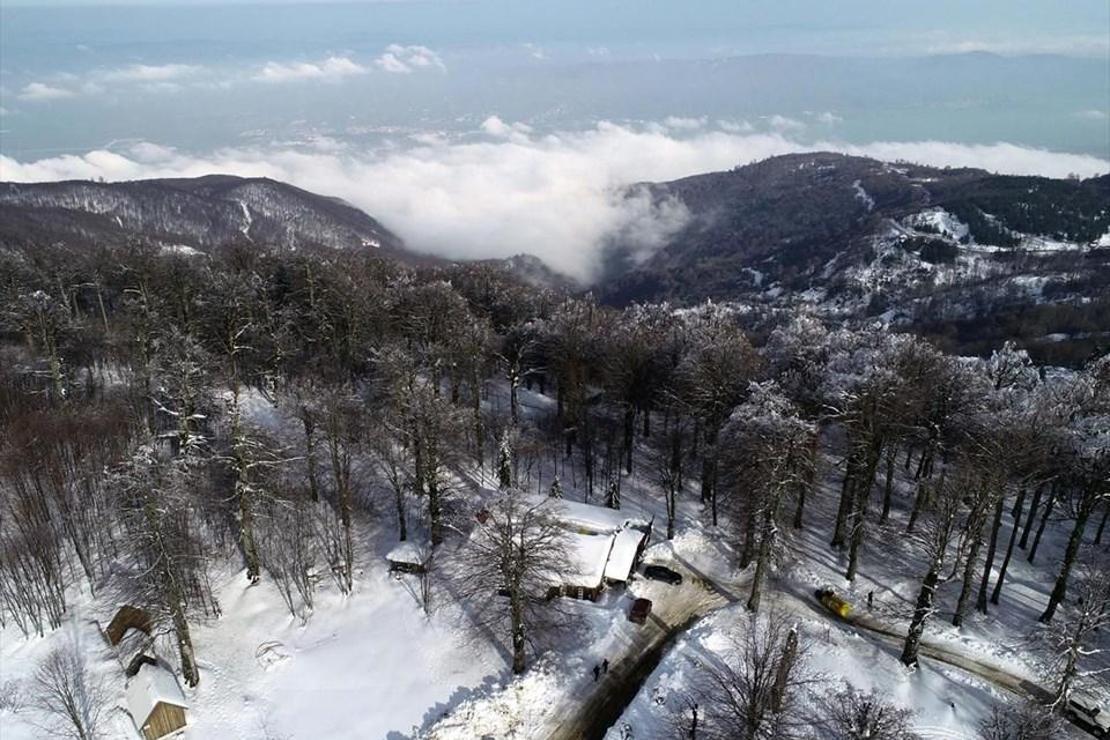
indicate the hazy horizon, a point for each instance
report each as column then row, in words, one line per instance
column 487, row 128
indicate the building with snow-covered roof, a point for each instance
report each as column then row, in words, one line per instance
column 408, row 557
column 155, row 701
column 604, row 545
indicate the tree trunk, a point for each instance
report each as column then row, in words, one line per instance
column 1033, row 508
column 992, row 549
column 919, row 502
column 1102, row 524
column 399, row 500
column 517, row 618
column 847, row 491
column 799, row 512
column 189, row 670
column 629, row 430
column 1044, row 522
column 921, row 613
column 888, row 490
column 975, row 532
column 766, row 538
column 1059, row 590
column 997, row 593
column 862, row 504
column 310, row 457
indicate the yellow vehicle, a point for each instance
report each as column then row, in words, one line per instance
column 833, row 603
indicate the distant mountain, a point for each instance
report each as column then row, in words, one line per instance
column 852, row 237
column 186, row 214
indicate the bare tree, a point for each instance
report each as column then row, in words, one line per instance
column 513, row 560
column 1025, row 721
column 71, row 698
column 756, row 691
column 939, row 529
column 851, row 714
column 1074, row 641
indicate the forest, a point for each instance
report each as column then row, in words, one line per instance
column 132, row 465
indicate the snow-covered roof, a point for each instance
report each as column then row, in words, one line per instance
column 588, row 518
column 148, row 688
column 407, row 552
column 623, row 555
column 587, row 556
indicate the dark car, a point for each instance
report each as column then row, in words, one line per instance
column 640, row 610
column 662, row 573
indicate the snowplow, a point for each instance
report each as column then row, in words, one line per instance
column 835, row 604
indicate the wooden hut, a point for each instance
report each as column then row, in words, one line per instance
column 155, row 701
column 128, row 617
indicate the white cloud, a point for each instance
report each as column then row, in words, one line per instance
column 332, row 68
column 558, row 195
column 828, row 118
column 736, row 127
column 398, row 59
column 152, row 73
column 680, row 123
column 498, row 128
column 783, row 124
column 36, row 91
column 1093, row 115
column 1087, row 45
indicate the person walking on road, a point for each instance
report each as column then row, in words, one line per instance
column 597, row 672
column 605, row 666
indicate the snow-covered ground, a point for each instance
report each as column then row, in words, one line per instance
column 373, row 665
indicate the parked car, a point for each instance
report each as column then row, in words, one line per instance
column 1085, row 711
column 641, row 609
column 662, row 573
column 829, row 599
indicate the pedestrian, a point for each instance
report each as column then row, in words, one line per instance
column 605, row 666
column 597, row 672
column 870, row 599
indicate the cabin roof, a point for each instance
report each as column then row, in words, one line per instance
column 151, row 686
column 623, row 555
column 408, row 552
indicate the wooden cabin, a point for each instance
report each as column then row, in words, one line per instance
column 127, row 618
column 155, row 701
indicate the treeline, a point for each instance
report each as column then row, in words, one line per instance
column 129, row 463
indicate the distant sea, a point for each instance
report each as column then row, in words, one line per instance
column 207, row 76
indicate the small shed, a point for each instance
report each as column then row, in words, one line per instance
column 408, row 557
column 128, row 617
column 155, row 701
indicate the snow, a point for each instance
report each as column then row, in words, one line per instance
column 408, row 552
column 940, row 221
column 587, row 518
column 183, row 249
column 622, row 558
column 151, row 686
column 588, row 555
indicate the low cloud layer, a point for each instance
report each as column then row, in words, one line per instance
column 332, row 68
column 511, row 189
column 399, row 59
